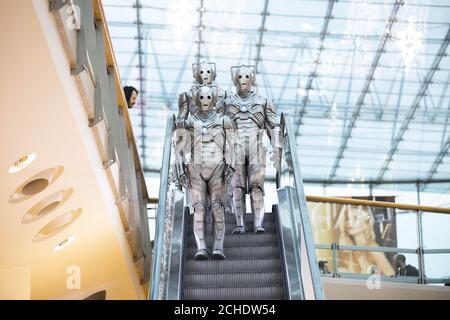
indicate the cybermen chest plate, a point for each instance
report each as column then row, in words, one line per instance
column 208, row 131
column 239, row 110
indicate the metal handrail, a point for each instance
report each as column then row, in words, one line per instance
column 160, row 224
column 366, row 248
column 383, row 204
column 302, row 219
column 369, row 203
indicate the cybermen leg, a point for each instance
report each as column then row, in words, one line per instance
column 239, row 186
column 229, row 201
column 256, row 175
column 216, row 193
column 198, row 189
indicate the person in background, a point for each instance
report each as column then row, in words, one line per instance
column 323, row 267
column 131, row 94
column 403, row 269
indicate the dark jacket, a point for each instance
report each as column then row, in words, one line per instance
column 409, row 271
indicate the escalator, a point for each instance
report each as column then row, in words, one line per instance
column 278, row 264
column 252, row 269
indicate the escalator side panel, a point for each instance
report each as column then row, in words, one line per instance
column 291, row 250
column 176, row 252
column 276, row 214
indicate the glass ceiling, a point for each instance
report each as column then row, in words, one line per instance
column 367, row 82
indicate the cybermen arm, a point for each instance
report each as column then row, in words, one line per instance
column 183, row 106
column 220, row 105
column 232, row 152
column 182, row 150
column 274, row 132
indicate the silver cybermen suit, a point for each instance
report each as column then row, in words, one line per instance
column 209, row 156
column 252, row 114
column 203, row 73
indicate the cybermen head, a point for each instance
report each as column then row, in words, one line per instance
column 204, row 73
column 205, row 97
column 244, row 77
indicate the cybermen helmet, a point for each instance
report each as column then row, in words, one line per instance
column 204, row 73
column 205, row 97
column 244, row 77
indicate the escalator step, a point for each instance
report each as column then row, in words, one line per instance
column 240, row 240
column 244, row 252
column 229, row 227
column 253, row 293
column 248, row 217
column 232, row 266
column 230, row 280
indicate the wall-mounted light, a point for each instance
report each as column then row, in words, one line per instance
column 22, row 163
column 36, row 184
column 57, row 225
column 64, row 244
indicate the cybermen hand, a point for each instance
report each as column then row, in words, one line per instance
column 185, row 124
column 183, row 180
column 276, row 158
column 229, row 171
column 180, row 174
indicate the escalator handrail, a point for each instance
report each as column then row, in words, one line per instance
column 160, row 224
column 303, row 214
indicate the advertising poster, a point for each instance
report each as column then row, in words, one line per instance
column 355, row 225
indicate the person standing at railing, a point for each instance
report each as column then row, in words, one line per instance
column 403, row 269
column 323, row 267
column 131, row 95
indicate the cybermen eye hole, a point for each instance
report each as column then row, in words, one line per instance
column 247, row 76
column 208, row 71
column 201, row 97
column 240, row 77
column 209, row 97
column 201, row 72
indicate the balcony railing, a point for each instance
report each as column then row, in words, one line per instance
column 85, row 37
column 339, row 251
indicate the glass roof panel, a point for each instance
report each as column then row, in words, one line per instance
column 367, row 108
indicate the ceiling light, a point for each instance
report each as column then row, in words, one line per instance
column 64, row 244
column 22, row 163
column 409, row 41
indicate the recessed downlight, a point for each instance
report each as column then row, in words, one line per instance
column 57, row 225
column 64, row 244
column 36, row 184
column 22, row 163
column 47, row 205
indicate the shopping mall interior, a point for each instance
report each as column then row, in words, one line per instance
column 351, row 199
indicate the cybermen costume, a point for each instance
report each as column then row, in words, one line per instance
column 251, row 114
column 209, row 159
column 204, row 73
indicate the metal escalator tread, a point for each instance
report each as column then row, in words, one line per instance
column 252, row 269
column 268, row 217
column 238, row 280
column 229, row 227
column 250, row 293
column 231, row 266
column 243, row 252
column 238, row 240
